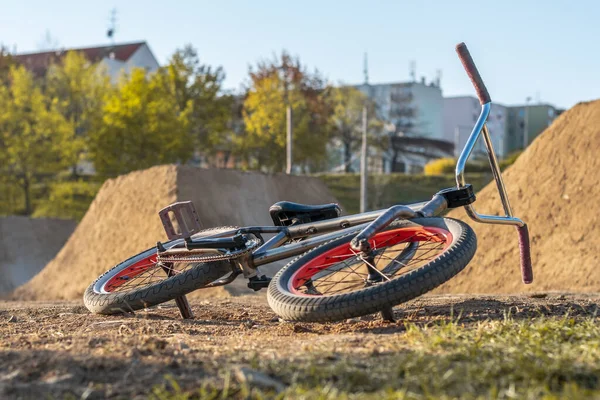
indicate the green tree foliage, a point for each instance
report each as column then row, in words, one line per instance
column 142, row 125
column 6, row 61
column 275, row 85
column 346, row 121
column 79, row 88
column 69, row 200
column 32, row 133
column 201, row 86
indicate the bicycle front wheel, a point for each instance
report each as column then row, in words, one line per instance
column 332, row 282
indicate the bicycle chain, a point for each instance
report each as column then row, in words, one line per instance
column 232, row 255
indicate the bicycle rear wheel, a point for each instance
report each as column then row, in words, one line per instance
column 142, row 281
column 332, row 282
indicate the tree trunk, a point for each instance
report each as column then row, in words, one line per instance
column 74, row 173
column 347, row 156
column 26, row 190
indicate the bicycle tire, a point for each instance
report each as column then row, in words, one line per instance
column 369, row 300
column 196, row 277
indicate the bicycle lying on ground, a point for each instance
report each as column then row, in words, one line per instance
column 346, row 266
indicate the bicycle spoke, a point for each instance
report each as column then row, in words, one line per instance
column 396, row 255
column 149, row 276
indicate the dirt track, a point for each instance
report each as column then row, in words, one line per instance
column 59, row 349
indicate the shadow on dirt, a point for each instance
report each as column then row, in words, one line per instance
column 475, row 310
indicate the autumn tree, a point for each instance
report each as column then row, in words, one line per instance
column 200, row 87
column 6, row 61
column 79, row 87
column 347, row 105
column 275, row 85
column 142, row 125
column 32, row 133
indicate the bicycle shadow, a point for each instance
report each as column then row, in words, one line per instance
column 472, row 311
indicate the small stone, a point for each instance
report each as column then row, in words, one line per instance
column 182, row 346
column 249, row 324
column 274, row 319
column 12, row 319
column 300, row 328
column 538, row 295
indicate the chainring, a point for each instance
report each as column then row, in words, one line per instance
column 200, row 255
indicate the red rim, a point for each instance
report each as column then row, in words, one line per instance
column 382, row 241
column 129, row 273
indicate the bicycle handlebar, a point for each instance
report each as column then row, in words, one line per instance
column 525, row 250
column 467, row 62
column 485, row 100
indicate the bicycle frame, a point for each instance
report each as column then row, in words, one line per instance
column 313, row 235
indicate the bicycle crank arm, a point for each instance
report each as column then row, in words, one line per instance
column 182, row 302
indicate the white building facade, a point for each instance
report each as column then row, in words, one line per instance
column 409, row 110
column 142, row 57
column 459, row 116
column 425, row 101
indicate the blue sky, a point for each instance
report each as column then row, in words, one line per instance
column 549, row 49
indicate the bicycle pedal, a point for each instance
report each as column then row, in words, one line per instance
column 257, row 283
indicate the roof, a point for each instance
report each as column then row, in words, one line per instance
column 39, row 62
column 422, row 146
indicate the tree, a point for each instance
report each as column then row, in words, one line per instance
column 202, row 86
column 275, row 85
column 80, row 88
column 402, row 117
column 6, row 61
column 346, row 121
column 32, row 133
column 142, row 125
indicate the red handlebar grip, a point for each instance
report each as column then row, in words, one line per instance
column 525, row 249
column 467, row 62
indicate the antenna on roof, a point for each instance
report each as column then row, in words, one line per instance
column 112, row 25
column 412, row 68
column 366, row 68
column 438, row 77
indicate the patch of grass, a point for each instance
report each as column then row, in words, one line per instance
column 547, row 358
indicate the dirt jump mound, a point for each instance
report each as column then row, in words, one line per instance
column 27, row 245
column 123, row 219
column 553, row 186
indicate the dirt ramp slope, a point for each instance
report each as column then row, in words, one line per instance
column 123, row 220
column 554, row 187
column 27, row 245
column 120, row 221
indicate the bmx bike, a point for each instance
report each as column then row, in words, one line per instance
column 344, row 266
